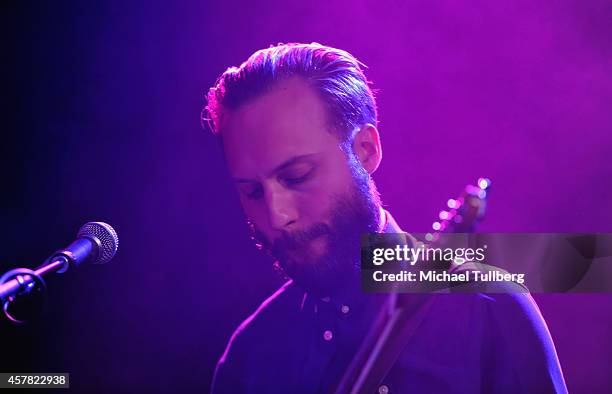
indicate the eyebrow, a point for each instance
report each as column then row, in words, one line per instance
column 285, row 164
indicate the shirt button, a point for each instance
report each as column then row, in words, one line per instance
column 345, row 309
column 328, row 335
column 384, row 389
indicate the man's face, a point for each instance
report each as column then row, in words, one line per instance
column 307, row 201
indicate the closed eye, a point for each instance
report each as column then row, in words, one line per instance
column 254, row 192
column 294, row 181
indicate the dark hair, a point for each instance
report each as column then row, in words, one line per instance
column 335, row 74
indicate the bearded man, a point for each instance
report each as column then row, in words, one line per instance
column 298, row 126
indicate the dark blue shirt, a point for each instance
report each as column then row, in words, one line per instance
column 464, row 343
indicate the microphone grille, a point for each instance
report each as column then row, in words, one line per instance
column 103, row 232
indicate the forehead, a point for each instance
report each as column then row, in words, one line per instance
column 289, row 121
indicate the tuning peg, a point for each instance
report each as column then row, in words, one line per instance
column 452, row 203
column 484, row 183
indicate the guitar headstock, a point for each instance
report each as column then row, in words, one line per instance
column 464, row 212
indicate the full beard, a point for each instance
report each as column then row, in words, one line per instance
column 355, row 213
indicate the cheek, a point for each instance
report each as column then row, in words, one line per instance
column 315, row 206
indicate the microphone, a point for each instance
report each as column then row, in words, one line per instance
column 96, row 243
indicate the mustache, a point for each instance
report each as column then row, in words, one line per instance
column 289, row 241
column 299, row 238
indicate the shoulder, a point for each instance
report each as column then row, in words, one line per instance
column 257, row 332
column 519, row 332
column 501, row 335
column 284, row 303
column 520, row 343
column 517, row 318
column 507, row 302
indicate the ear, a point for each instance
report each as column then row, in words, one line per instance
column 366, row 146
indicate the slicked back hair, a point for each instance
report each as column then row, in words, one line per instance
column 334, row 74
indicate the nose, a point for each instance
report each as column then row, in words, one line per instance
column 282, row 212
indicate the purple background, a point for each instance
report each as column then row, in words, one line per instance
column 101, row 112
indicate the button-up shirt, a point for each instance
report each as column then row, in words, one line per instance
column 465, row 343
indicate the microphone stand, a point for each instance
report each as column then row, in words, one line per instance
column 20, row 282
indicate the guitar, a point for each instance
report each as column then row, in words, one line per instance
column 398, row 319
